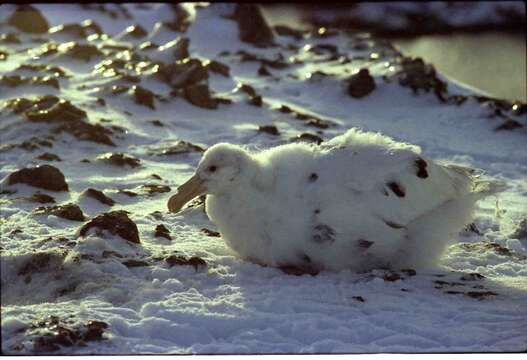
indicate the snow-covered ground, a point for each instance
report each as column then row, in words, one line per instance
column 76, row 292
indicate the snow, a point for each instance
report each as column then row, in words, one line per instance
column 234, row 306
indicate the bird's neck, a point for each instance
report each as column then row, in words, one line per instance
column 259, row 178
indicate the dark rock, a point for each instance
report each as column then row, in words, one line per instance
column 409, row 272
column 117, row 223
column 70, row 118
column 472, row 277
column 41, row 198
column 285, row 109
column 81, row 51
column 157, row 177
column 248, row 89
column 119, row 89
column 473, row 229
column 49, row 49
column 158, row 215
column 256, row 100
column 35, row 143
column 43, row 176
column 298, row 270
column 148, row 45
column 17, row 80
column 391, row 276
column 137, row 31
column 55, row 333
column 480, row 294
column 440, row 284
column 359, row 298
column 321, row 49
column 309, row 120
column 99, row 196
column 82, row 30
column 143, row 96
column 68, row 211
column 10, row 38
column 307, row 137
column 56, row 71
column 162, row 231
column 456, row 99
column 223, row 100
column 157, row 123
column 89, row 132
column 520, row 231
column 278, row 63
column 28, row 19
column 110, row 253
column 20, row 105
column 252, row 25
column 453, row 292
column 155, row 188
column 180, row 21
column 75, row 30
column 199, row 95
column 180, row 46
column 39, row 262
column 183, row 73
column 318, row 123
column 134, row 263
column 269, row 129
column 7, row 192
column 284, row 30
column 119, row 159
column 509, row 124
column 61, row 336
column 195, row 261
column 59, row 112
column 519, row 108
column 396, row 188
column 361, row 84
column 497, row 248
column 210, row 233
column 181, row 147
column 262, row 71
column 48, row 157
column 128, row 193
column 94, row 330
column 418, row 75
column 218, row 67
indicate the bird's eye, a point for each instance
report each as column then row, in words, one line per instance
column 212, row 168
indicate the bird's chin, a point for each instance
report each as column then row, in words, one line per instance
column 194, row 187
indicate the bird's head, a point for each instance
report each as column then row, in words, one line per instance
column 220, row 169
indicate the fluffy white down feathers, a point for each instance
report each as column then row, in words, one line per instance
column 359, row 201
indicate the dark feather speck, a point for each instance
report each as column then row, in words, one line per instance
column 396, row 188
column 421, row 168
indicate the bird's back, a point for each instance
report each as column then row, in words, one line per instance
column 367, row 190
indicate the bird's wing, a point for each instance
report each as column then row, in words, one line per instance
column 381, row 181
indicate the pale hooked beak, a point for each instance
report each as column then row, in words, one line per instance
column 186, row 192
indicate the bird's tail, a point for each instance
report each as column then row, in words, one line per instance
column 479, row 185
column 488, row 187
